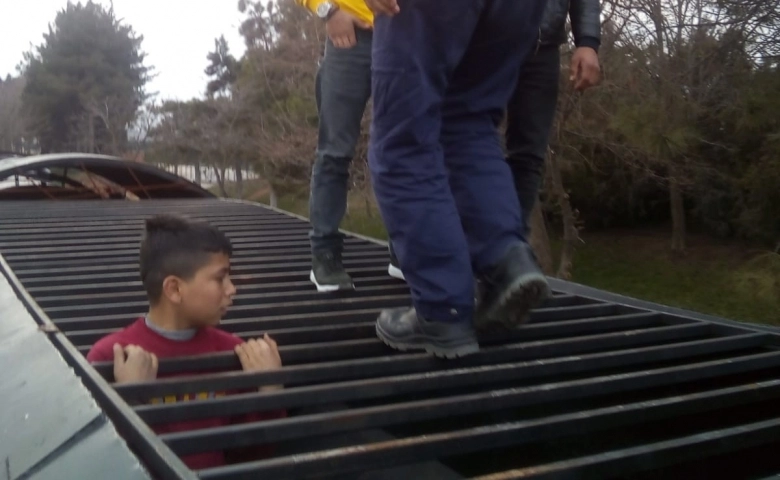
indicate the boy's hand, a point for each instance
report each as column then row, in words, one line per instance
column 133, row 364
column 257, row 355
column 340, row 28
column 383, row 7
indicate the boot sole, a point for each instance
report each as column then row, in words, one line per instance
column 395, row 272
column 423, row 343
column 328, row 288
column 511, row 309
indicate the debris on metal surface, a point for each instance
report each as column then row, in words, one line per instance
column 79, row 176
column 592, row 387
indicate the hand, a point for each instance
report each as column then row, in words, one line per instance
column 258, row 355
column 383, row 7
column 133, row 364
column 340, row 28
column 585, row 70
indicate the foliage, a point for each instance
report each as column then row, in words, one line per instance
column 85, row 83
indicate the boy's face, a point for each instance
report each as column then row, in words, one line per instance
column 207, row 295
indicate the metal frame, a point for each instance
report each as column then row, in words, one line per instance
column 584, row 347
column 82, row 161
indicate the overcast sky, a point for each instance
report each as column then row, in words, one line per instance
column 178, row 34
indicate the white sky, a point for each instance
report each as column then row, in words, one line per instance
column 178, row 34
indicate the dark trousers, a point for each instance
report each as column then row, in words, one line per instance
column 443, row 72
column 530, row 115
column 342, row 90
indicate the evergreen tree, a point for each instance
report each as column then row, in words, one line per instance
column 85, row 83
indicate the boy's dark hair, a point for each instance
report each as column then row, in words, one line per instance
column 177, row 246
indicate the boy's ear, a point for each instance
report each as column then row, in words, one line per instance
column 171, row 290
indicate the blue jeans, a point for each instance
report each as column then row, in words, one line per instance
column 530, row 115
column 443, row 73
column 343, row 87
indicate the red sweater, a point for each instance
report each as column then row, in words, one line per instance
column 206, row 340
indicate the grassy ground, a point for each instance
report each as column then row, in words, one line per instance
column 723, row 279
column 711, row 277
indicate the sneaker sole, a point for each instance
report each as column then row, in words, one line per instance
column 327, row 288
column 511, row 310
column 449, row 353
column 395, row 272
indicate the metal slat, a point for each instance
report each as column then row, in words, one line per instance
column 247, row 291
column 249, row 316
column 110, row 272
column 119, row 229
column 350, row 391
column 240, row 303
column 330, row 332
column 276, row 242
column 131, row 254
column 396, row 363
column 654, row 455
column 271, row 431
column 130, row 262
column 407, row 450
column 282, row 271
column 240, row 257
column 246, row 282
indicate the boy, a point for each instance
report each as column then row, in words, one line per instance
column 185, row 270
column 443, row 72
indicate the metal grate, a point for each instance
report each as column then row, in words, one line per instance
column 590, row 388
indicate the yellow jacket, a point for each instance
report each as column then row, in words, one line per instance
column 357, row 8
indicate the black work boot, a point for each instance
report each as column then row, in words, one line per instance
column 394, row 269
column 403, row 329
column 328, row 274
column 511, row 290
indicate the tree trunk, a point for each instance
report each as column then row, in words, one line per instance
column 239, row 181
column 91, row 134
column 540, row 240
column 198, row 177
column 570, row 233
column 273, row 200
column 220, row 174
column 678, row 215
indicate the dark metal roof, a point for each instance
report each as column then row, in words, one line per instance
column 53, row 178
column 597, row 386
column 50, row 425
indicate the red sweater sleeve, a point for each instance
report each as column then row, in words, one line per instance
column 102, row 351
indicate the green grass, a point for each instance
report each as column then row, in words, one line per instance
column 360, row 218
column 718, row 279
column 728, row 280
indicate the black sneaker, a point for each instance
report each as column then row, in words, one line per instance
column 328, row 274
column 509, row 293
column 394, row 269
column 403, row 329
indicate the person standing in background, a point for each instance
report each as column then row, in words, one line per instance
column 531, row 110
column 342, row 90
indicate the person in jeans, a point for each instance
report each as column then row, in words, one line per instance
column 343, row 87
column 443, row 73
column 531, row 110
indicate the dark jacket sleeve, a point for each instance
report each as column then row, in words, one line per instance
column 585, row 18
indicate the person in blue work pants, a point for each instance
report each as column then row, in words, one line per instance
column 442, row 74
